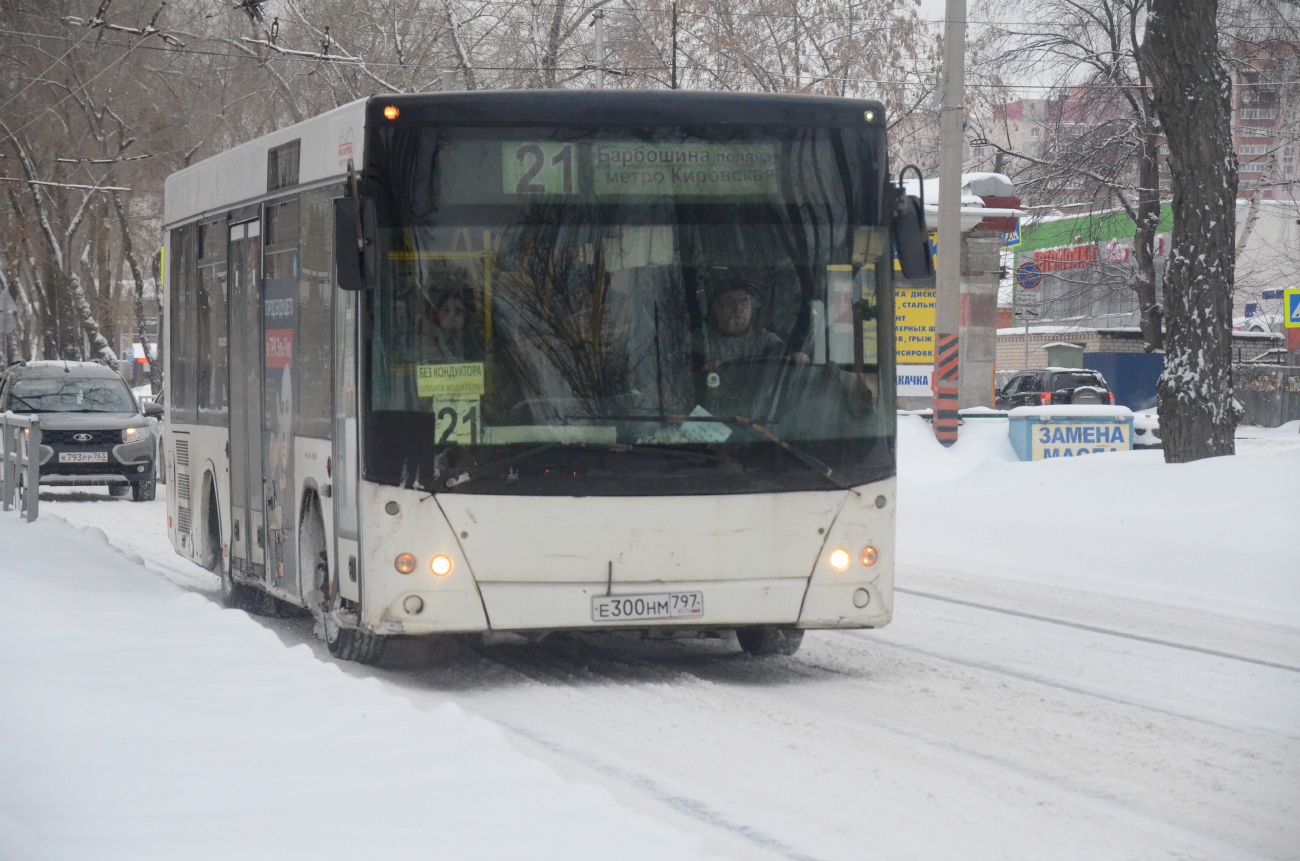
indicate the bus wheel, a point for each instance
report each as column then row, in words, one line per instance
column 350, row 644
column 769, row 641
column 347, row 644
column 235, row 595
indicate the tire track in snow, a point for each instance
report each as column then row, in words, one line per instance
column 621, row 661
column 990, row 667
column 1098, row 630
column 542, row 670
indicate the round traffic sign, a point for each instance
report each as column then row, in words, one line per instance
column 1029, row 276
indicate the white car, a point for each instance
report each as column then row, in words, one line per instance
column 1146, row 430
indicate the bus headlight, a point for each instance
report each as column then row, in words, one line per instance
column 404, row 563
column 440, row 565
column 870, row 556
column 134, row 434
column 839, row 559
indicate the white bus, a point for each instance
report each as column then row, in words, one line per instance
column 541, row 361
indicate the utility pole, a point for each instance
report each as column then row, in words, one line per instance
column 674, row 44
column 598, row 21
column 8, row 323
column 947, row 312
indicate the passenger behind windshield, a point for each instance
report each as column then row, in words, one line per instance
column 441, row 330
column 70, row 395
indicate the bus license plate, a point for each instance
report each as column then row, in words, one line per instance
column 83, row 457
column 633, row 608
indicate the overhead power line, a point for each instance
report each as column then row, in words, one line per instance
column 316, row 57
column 63, row 184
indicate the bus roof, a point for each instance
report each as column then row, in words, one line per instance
column 625, row 107
column 239, row 175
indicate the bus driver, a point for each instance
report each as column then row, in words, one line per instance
column 736, row 338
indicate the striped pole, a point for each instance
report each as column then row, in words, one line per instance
column 945, row 388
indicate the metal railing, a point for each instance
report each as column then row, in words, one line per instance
column 20, row 463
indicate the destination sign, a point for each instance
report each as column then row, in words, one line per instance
column 703, row 170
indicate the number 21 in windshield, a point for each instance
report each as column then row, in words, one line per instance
column 537, row 168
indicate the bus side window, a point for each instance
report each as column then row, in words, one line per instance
column 183, row 344
column 315, row 308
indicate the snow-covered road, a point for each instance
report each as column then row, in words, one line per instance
column 995, row 718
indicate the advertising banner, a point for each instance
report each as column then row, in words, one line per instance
column 914, row 324
column 1077, row 438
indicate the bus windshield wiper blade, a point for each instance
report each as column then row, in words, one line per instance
column 478, row 471
column 802, row 456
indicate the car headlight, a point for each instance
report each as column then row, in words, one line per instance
column 134, row 434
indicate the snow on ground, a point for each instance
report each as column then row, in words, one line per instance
column 144, row 722
column 1090, row 659
column 1253, row 439
column 1216, row 535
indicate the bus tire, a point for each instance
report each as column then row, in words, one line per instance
column 346, row 644
column 350, row 644
column 764, row 641
column 235, row 595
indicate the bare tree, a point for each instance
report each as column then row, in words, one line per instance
column 1193, row 95
column 1101, row 133
column 111, row 96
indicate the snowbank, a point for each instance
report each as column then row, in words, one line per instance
column 141, row 721
column 1218, row 534
column 1287, row 431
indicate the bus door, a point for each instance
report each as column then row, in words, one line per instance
column 279, row 290
column 347, row 526
column 247, row 526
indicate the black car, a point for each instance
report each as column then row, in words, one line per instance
column 93, row 431
column 1055, row 386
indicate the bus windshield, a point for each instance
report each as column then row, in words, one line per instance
column 619, row 300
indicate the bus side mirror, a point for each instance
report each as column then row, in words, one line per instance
column 355, row 254
column 912, row 238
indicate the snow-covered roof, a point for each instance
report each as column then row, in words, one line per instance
column 1046, row 330
column 1081, row 411
column 974, row 187
column 44, row 367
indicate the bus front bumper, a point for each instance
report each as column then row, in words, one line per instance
column 523, row 564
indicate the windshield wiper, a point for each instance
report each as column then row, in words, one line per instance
column 822, row 469
column 478, row 471
column 482, row 469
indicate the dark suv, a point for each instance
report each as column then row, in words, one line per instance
column 1054, row 386
column 93, row 431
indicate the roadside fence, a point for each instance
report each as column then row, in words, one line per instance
column 1270, row 394
column 20, row 464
